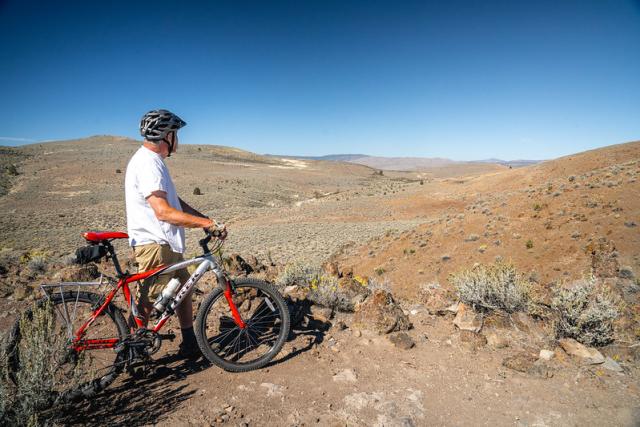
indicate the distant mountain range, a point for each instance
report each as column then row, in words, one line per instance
column 408, row 163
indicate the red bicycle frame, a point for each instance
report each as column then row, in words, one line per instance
column 81, row 344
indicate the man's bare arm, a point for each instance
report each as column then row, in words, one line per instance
column 188, row 209
column 165, row 212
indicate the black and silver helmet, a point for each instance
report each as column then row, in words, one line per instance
column 156, row 124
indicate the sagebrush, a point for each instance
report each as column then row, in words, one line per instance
column 27, row 396
column 586, row 312
column 496, row 286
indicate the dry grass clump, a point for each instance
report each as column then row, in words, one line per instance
column 27, row 397
column 37, row 264
column 586, row 312
column 495, row 286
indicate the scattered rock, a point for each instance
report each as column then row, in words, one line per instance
column 541, row 369
column 347, row 375
column 604, row 258
column 588, row 355
column 435, row 298
column 472, row 340
column 497, row 341
column 520, row 362
column 611, row 365
column 353, row 290
column 401, row 340
column 237, row 265
column 546, row 354
column 467, row 320
column 340, row 325
column 626, row 273
column 78, row 273
column 379, row 312
column 331, row 268
column 322, row 314
column 273, row 389
column 472, row 238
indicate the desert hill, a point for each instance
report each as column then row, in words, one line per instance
column 542, row 217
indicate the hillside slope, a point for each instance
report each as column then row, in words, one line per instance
column 542, row 217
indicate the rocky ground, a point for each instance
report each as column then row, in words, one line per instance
column 404, row 232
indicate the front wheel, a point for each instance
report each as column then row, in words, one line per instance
column 236, row 349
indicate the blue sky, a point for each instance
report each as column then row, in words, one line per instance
column 458, row 79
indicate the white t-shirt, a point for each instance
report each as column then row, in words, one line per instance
column 146, row 173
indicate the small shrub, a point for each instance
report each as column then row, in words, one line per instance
column 586, row 313
column 537, row 207
column 380, row 271
column 529, row 244
column 495, row 286
column 118, row 171
column 12, row 170
column 29, row 401
column 197, row 192
column 37, row 264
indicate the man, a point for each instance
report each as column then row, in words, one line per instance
column 156, row 217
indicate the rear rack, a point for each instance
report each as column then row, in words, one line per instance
column 50, row 288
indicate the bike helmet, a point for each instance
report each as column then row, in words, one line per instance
column 156, row 124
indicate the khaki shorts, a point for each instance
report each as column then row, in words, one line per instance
column 149, row 257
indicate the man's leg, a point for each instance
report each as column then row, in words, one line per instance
column 189, row 346
column 148, row 257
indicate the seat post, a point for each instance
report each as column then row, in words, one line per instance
column 114, row 258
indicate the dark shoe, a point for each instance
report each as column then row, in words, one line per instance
column 190, row 352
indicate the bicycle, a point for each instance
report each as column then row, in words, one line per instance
column 240, row 326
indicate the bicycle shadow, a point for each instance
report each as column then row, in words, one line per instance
column 138, row 401
column 303, row 324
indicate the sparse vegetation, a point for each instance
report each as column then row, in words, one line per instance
column 529, row 244
column 379, row 271
column 586, row 312
column 197, row 192
column 495, row 286
column 27, row 399
column 37, row 264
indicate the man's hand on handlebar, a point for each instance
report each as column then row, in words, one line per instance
column 217, row 230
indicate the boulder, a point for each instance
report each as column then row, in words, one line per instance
column 331, row 268
column 237, row 265
column 587, row 355
column 546, row 354
column 78, row 273
column 436, row 299
column 467, row 320
column 472, row 340
column 353, row 290
column 380, row 313
column 401, row 340
column 521, row 362
column 497, row 340
column 611, row 365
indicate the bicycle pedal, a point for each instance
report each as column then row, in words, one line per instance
column 168, row 336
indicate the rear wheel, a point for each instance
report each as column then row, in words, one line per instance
column 232, row 348
column 43, row 339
